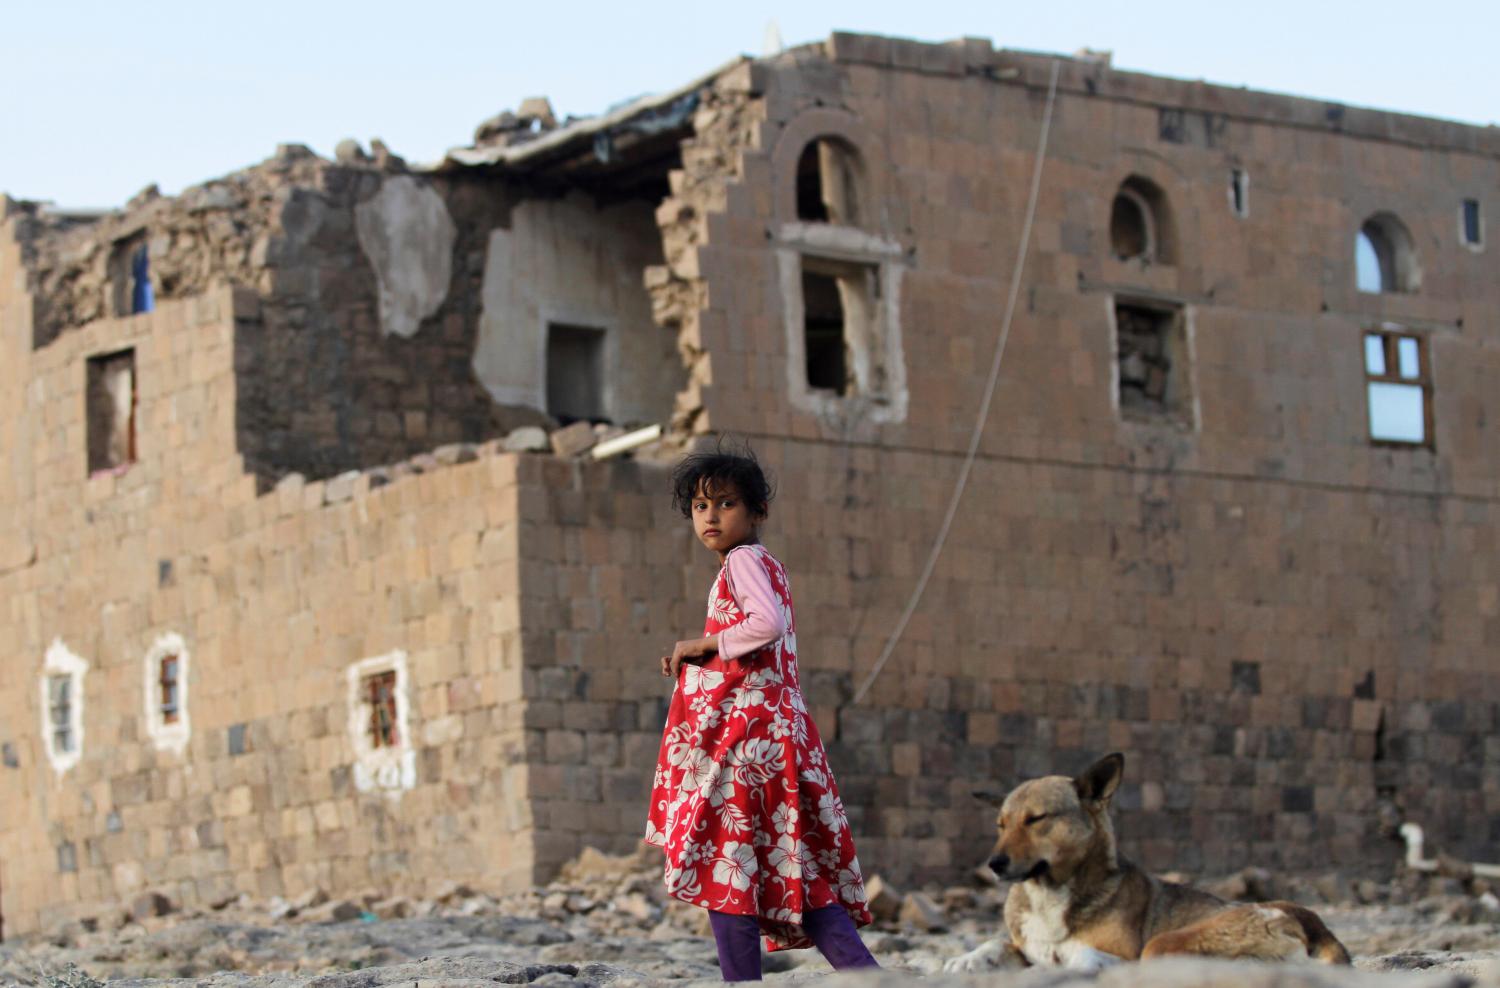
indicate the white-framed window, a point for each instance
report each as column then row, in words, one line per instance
column 1153, row 371
column 379, row 724
column 164, row 670
column 62, row 705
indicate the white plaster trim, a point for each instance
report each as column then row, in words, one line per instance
column 868, row 403
column 391, row 770
column 60, row 661
column 166, row 737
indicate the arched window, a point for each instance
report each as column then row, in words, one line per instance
column 1385, row 259
column 1140, row 227
column 828, row 183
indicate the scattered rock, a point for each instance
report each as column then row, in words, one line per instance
column 337, row 911
column 884, row 901
column 920, row 912
column 149, row 904
column 350, row 152
column 573, row 439
column 452, row 453
column 527, row 439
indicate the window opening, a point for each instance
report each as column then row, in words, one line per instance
column 60, row 712
column 130, row 277
column 823, row 322
column 575, row 373
column 1473, row 232
column 167, row 682
column 380, row 695
column 142, row 298
column 1139, row 223
column 827, row 183
column 111, row 411
column 1130, row 227
column 1239, row 192
column 1384, row 256
column 843, row 342
column 1151, row 354
column 1399, row 388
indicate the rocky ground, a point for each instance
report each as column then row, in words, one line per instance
column 605, row 922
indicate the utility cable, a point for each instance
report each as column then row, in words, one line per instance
column 984, row 405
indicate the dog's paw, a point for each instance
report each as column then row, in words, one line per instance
column 985, row 957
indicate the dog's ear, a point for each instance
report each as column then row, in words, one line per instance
column 991, row 797
column 1099, row 782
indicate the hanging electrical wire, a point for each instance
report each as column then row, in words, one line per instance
column 984, row 405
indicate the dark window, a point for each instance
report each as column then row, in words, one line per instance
column 60, row 712
column 380, row 696
column 111, row 411
column 823, row 322
column 1239, row 192
column 827, row 183
column 1399, row 388
column 575, row 373
column 1140, row 226
column 167, row 682
column 1473, row 232
column 1151, row 349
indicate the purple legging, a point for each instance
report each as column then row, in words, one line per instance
column 830, row 929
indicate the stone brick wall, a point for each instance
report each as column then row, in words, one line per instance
column 274, row 596
column 1263, row 609
column 1288, row 630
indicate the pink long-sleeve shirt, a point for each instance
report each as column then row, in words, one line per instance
column 764, row 620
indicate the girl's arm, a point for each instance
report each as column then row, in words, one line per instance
column 764, row 622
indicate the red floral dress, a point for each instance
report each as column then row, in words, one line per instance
column 744, row 804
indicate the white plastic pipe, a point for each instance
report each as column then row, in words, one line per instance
column 1412, row 834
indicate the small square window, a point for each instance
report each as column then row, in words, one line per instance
column 1398, row 388
column 110, row 407
column 1151, row 355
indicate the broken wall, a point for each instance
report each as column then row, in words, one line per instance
column 273, row 603
column 568, row 262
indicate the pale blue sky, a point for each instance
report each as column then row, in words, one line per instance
column 98, row 100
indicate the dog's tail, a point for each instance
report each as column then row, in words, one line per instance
column 1322, row 945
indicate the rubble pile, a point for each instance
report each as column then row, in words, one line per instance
column 606, row 920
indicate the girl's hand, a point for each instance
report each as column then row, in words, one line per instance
column 692, row 650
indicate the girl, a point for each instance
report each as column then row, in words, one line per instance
column 743, row 803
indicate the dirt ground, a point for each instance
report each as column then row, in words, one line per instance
column 606, row 922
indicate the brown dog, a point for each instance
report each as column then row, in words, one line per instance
column 1077, row 903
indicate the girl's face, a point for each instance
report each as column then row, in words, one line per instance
column 721, row 520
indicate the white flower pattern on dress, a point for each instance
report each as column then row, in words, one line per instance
column 743, row 803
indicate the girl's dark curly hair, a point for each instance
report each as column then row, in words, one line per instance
column 728, row 467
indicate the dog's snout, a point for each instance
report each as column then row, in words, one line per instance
column 999, row 863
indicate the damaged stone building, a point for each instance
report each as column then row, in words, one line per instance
column 293, row 595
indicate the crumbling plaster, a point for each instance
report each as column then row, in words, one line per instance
column 407, row 236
